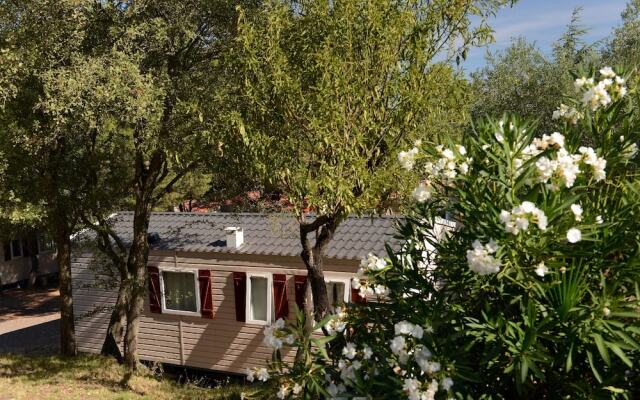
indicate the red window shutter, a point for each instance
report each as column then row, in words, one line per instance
column 154, row 290
column 280, row 295
column 206, row 297
column 355, row 296
column 299, row 285
column 240, row 287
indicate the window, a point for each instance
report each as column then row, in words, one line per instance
column 179, row 292
column 259, row 298
column 336, row 294
column 338, row 290
column 45, row 243
column 16, row 248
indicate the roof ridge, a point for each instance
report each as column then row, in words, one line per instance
column 259, row 214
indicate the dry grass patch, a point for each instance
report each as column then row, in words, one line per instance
column 92, row 377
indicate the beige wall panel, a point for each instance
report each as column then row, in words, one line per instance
column 221, row 344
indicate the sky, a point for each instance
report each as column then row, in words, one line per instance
column 544, row 21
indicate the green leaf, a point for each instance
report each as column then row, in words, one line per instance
column 593, row 368
column 618, row 351
column 569, row 362
column 614, row 389
column 602, row 349
column 524, row 369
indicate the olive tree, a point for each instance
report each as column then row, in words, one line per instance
column 328, row 93
column 165, row 97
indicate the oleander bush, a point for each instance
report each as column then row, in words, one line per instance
column 519, row 275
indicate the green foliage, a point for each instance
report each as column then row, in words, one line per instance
column 331, row 89
column 43, row 153
column 624, row 47
column 504, row 299
column 522, row 80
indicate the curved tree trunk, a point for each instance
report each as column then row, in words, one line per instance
column 117, row 322
column 313, row 258
column 137, row 269
column 67, row 324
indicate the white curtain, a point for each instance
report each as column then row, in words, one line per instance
column 179, row 291
column 259, row 292
column 335, row 292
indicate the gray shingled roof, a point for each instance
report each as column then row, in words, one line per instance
column 264, row 234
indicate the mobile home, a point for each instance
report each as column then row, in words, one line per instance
column 16, row 263
column 216, row 280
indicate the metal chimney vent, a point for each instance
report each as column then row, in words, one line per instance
column 235, row 237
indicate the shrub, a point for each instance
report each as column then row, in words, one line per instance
column 534, row 290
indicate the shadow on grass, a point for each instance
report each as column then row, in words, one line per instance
column 91, row 371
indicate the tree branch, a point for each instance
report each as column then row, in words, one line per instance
column 169, row 186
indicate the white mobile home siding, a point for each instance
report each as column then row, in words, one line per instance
column 17, row 269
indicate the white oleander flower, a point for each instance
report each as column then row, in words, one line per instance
column 367, row 353
column 398, row 345
column 555, row 140
column 411, row 385
column 568, row 113
column 607, row 72
column 599, row 219
column 334, row 390
column 448, row 154
column 407, row 159
column 261, row 374
column 520, row 216
column 583, row 82
column 567, row 167
column 576, row 209
column 381, row 290
column 283, row 392
column 373, row 262
column 597, row 96
column 297, row 389
column 480, row 259
column 349, row 350
column 446, row 383
column 541, row 270
column 449, row 165
column 339, row 322
column 407, row 328
column 597, row 164
column 273, row 335
column 574, row 235
column 630, row 151
column 250, row 375
column 421, row 193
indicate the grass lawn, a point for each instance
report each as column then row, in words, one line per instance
column 92, row 377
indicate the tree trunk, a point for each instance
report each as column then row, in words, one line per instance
column 137, row 268
column 67, row 324
column 117, row 322
column 313, row 257
column 32, row 242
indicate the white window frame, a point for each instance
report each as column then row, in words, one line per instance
column 331, row 278
column 247, row 300
column 196, row 286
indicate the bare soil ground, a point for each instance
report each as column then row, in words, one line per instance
column 29, row 321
